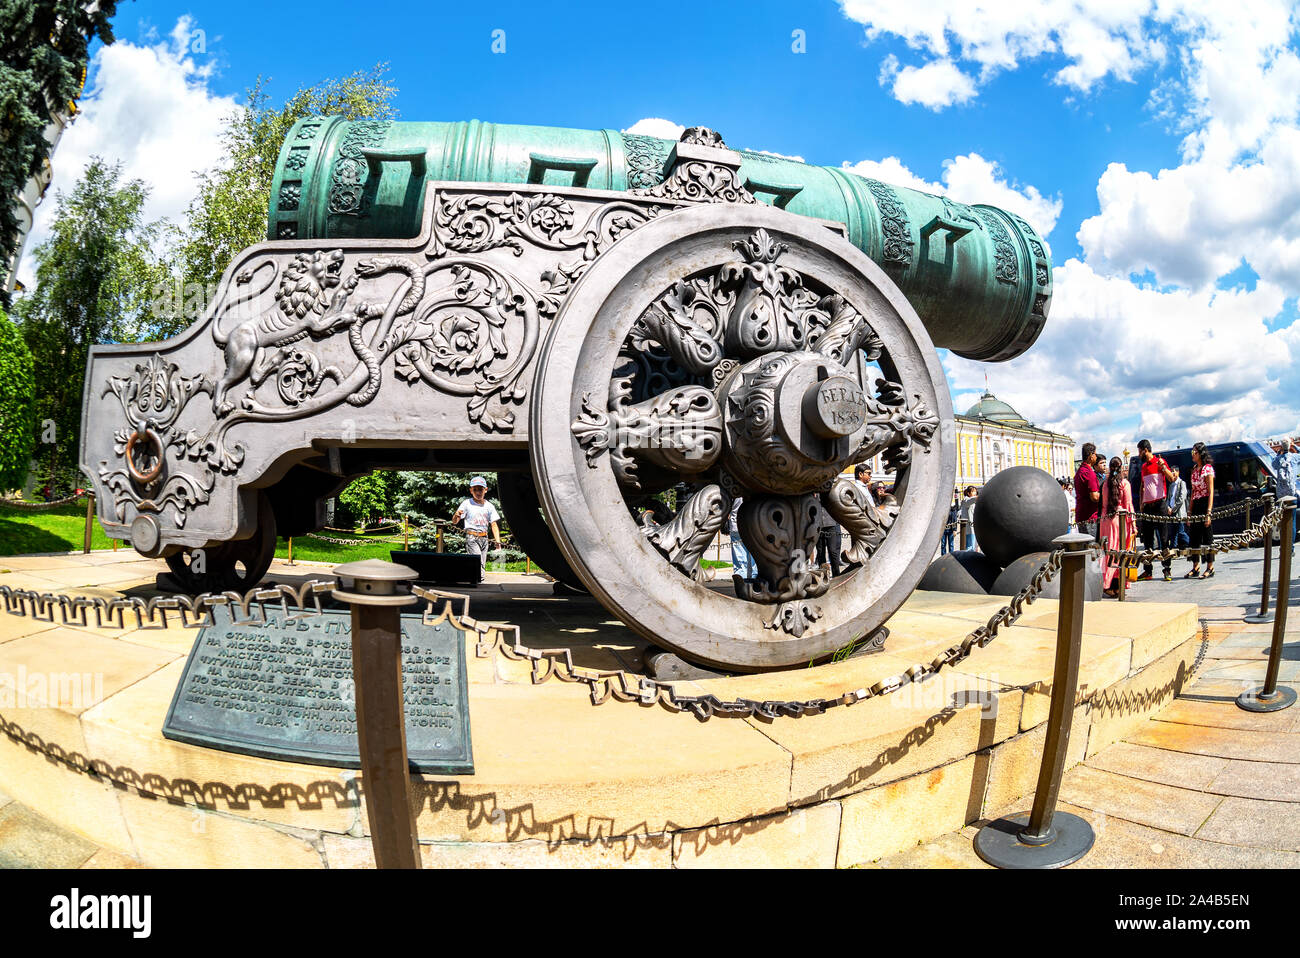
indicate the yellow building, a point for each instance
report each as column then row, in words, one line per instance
column 992, row 436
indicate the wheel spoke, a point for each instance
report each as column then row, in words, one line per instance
column 781, row 534
column 849, row 505
column 683, row 539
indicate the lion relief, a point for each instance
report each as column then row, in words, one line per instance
column 310, row 302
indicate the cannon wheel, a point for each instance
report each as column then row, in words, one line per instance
column 523, row 511
column 238, row 565
column 789, row 277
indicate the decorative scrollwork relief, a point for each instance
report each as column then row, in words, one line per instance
column 349, row 172
column 705, row 171
column 645, row 157
column 851, row 508
column 679, row 430
column 894, row 224
column 1005, row 267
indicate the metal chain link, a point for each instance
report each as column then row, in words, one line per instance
column 1225, row 512
column 41, row 506
column 390, row 540
column 1231, row 543
column 625, row 686
column 193, row 612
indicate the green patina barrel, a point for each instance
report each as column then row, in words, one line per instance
column 979, row 277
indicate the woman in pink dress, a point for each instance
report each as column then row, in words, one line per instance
column 1115, row 496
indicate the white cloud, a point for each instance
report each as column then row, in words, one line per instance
column 657, row 126
column 1186, row 362
column 970, row 179
column 150, row 108
column 1096, row 40
column 1192, row 224
column 936, row 85
column 1236, row 70
column 1117, row 359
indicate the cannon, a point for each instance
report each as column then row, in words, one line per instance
column 601, row 318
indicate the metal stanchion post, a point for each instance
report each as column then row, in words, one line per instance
column 289, row 560
column 1271, row 697
column 1045, row 837
column 438, row 544
column 376, row 590
column 90, row 518
column 1264, row 615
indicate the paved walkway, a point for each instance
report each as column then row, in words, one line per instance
column 1203, row 784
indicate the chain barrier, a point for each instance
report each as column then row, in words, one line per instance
column 625, row 686
column 377, row 540
column 391, row 540
column 1230, row 543
column 193, row 612
column 303, row 601
column 41, row 506
column 1232, row 510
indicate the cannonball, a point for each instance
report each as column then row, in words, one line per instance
column 1021, row 510
column 1017, row 575
column 968, row 572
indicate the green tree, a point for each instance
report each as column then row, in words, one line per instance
column 368, row 498
column 229, row 213
column 43, row 52
column 16, row 396
column 93, row 277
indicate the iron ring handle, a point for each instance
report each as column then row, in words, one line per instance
column 144, row 478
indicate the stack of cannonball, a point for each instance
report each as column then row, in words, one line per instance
column 1018, row 514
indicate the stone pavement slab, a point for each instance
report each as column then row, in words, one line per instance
column 1122, row 844
column 1146, row 803
column 1265, row 780
column 1248, row 821
column 1119, row 844
column 1225, row 743
column 1288, row 671
column 1214, row 715
column 1159, row 765
column 29, row 841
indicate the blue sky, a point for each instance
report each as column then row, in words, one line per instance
column 1156, row 147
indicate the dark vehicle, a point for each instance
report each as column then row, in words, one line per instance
column 1241, row 472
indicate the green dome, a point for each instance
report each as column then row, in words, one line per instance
column 990, row 407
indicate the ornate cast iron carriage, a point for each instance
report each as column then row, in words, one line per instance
column 598, row 317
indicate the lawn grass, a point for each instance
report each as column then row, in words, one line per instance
column 59, row 529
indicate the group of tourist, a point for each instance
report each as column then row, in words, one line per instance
column 1104, row 508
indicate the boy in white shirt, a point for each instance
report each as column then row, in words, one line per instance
column 480, row 516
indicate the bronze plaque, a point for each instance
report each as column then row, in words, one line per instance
column 284, row 690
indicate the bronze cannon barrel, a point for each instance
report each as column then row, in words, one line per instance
column 978, row 276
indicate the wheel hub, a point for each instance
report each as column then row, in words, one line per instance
column 789, row 419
